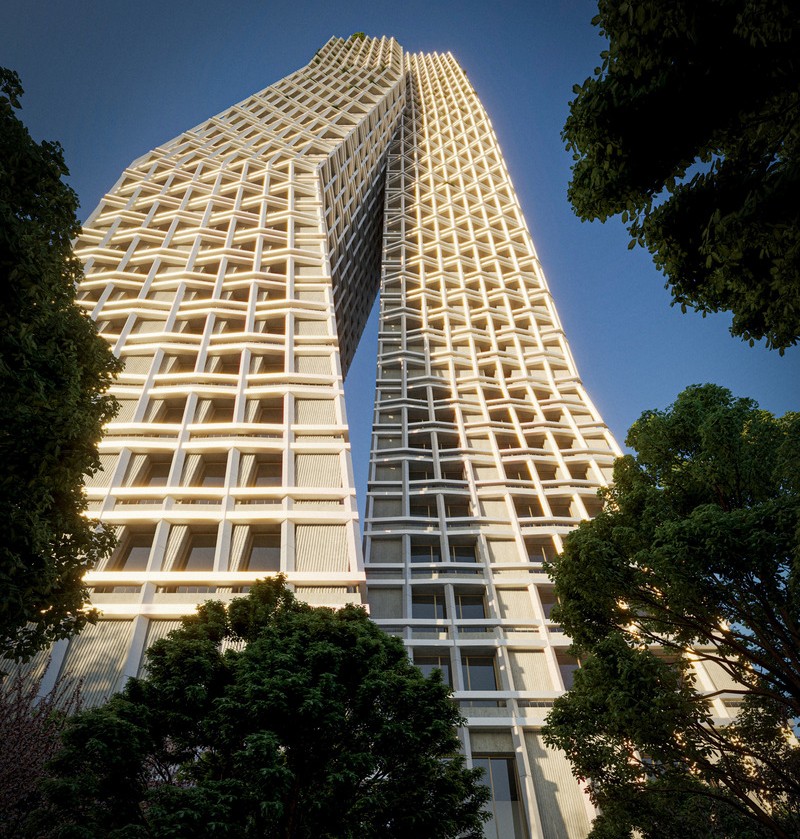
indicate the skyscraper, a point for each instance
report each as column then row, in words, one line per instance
column 233, row 269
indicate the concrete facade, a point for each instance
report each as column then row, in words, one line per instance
column 233, row 270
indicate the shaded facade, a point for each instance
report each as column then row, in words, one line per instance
column 233, row 270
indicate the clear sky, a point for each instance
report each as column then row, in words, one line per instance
column 112, row 79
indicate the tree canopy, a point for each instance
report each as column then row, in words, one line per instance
column 689, row 130
column 269, row 719
column 54, row 374
column 695, row 558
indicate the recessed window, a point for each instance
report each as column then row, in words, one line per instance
column 457, row 509
column 213, row 473
column 229, row 324
column 517, row 472
column 422, row 509
column 226, row 364
column 181, row 363
column 546, row 472
column 148, row 471
column 528, row 508
column 452, row 472
column 200, row 550
column 425, row 553
column 269, row 411
column 193, row 326
column 428, row 606
column 273, row 326
column 500, row 775
column 268, row 473
column 168, row 411
column 548, row 599
column 241, row 295
column 135, row 552
column 540, row 549
column 560, row 508
column 157, row 473
column 265, row 552
column 420, row 471
column 470, row 606
column 428, row 663
column 462, row 553
column 567, row 665
column 268, row 364
column 479, row 672
column 507, row 441
column 578, row 471
column 220, row 410
column 418, row 440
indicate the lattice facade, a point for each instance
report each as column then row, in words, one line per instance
column 233, row 269
column 486, row 449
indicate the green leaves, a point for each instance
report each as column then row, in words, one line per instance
column 710, row 89
column 319, row 727
column 54, row 375
column 694, row 559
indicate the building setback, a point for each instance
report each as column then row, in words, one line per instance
column 233, row 270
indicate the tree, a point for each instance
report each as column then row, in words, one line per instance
column 54, row 374
column 695, row 558
column 319, row 726
column 689, row 130
column 30, row 729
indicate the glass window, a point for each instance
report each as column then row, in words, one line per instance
column 270, row 365
column 265, row 552
column 425, row 553
column 457, row 509
column 517, row 472
column 452, row 471
column 169, row 412
column 420, row 471
column 200, row 552
column 422, row 509
column 470, row 607
column 507, row 817
column 213, row 474
column 268, row 473
column 462, row 553
column 548, row 599
column 567, row 665
column 157, row 474
column 270, row 411
column 428, row 663
column 428, row 606
column 136, row 553
column 229, row 364
column 479, row 672
column 221, row 411
column 178, row 363
column 417, row 440
column 528, row 508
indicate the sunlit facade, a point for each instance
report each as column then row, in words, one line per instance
column 233, row 270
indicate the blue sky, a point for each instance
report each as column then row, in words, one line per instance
column 111, row 80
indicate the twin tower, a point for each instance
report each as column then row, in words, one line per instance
column 233, row 270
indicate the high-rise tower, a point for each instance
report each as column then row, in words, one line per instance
column 233, row 269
